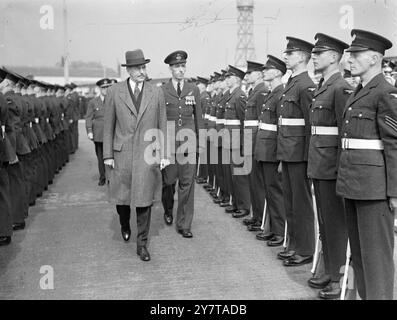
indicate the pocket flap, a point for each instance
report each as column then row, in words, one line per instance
column 367, row 157
column 364, row 114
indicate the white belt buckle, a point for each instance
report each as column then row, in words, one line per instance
column 3, row 130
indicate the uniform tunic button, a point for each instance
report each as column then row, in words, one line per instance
column 349, row 108
column 313, row 99
column 281, row 106
column 347, row 121
column 180, row 107
column 312, row 110
column 360, row 115
column 345, row 134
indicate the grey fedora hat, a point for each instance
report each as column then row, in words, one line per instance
column 134, row 58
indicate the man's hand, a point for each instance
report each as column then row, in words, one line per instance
column 393, row 204
column 164, row 163
column 109, row 162
column 90, row 135
column 15, row 160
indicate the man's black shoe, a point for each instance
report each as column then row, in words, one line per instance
column 241, row 213
column 185, row 233
column 283, row 255
column 331, row 291
column 101, row 182
column 126, row 234
column 249, row 221
column 254, row 227
column 320, row 282
column 264, row 236
column 5, row 241
column 143, row 253
column 224, row 204
column 168, row 219
column 297, row 260
column 18, row 226
column 230, row 209
column 275, row 241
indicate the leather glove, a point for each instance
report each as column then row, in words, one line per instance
column 109, row 162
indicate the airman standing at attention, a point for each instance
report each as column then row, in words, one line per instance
column 94, row 125
column 256, row 184
column 292, row 148
column 326, row 122
column 266, row 152
column 367, row 174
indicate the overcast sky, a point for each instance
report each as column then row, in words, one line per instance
column 102, row 30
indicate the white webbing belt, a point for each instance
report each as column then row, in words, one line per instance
column 332, row 131
column 251, row 123
column 266, row 126
column 364, row 144
column 291, row 122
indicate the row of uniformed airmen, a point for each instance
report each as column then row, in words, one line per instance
column 39, row 130
column 339, row 140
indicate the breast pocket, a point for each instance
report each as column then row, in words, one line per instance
column 268, row 113
column 187, row 110
column 322, row 113
column 363, row 124
column 290, row 107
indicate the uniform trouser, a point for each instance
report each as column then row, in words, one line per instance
column 240, row 181
column 332, row 226
column 50, row 160
column 370, row 227
column 203, row 168
column 257, row 189
column 220, row 178
column 5, row 204
column 99, row 155
column 143, row 215
column 167, row 197
column 19, row 203
column 76, row 133
column 27, row 178
column 210, row 162
column 184, row 173
column 43, row 160
column 298, row 205
column 275, row 210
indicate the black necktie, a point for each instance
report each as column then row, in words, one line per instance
column 358, row 88
column 289, row 80
column 178, row 89
column 136, row 91
column 249, row 92
column 320, row 83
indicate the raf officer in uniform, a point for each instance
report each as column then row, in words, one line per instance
column 326, row 121
column 94, row 125
column 266, row 152
column 256, row 184
column 238, row 170
column 205, row 99
column 292, row 148
column 183, row 107
column 367, row 175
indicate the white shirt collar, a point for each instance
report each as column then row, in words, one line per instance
column 102, row 97
column 133, row 84
column 326, row 78
column 175, row 84
column 298, row 73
